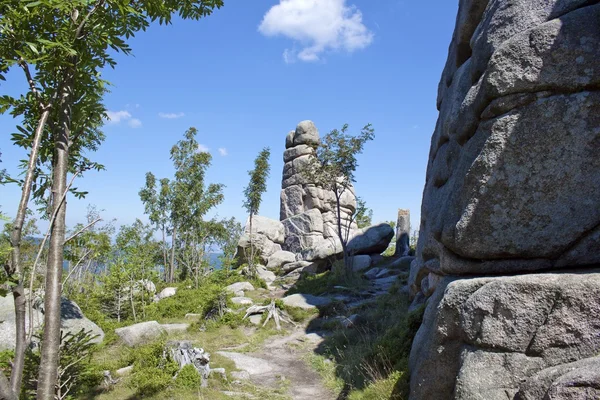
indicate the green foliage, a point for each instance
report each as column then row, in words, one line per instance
column 371, row 359
column 334, row 169
column 152, row 371
column 258, row 182
column 188, row 378
column 76, row 372
column 364, row 215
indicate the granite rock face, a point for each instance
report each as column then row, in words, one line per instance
column 267, row 236
column 308, row 212
column 486, row 338
column 513, row 188
column 513, row 179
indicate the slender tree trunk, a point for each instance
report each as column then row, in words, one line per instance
column 344, row 241
column 172, row 267
column 131, row 299
column 16, row 375
column 48, row 372
column 164, row 249
column 252, row 253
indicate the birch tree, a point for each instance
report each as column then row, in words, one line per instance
column 253, row 192
column 62, row 47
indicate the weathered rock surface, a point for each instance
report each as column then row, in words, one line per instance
column 372, row 240
column 265, row 274
column 280, row 258
column 485, row 337
column 141, row 333
column 305, row 301
column 167, row 292
column 72, row 320
column 267, row 236
column 360, row 263
column 308, row 211
column 513, row 176
column 244, row 301
column 239, row 286
column 512, row 187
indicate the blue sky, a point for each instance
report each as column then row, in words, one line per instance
column 246, row 76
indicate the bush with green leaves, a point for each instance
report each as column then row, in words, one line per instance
column 188, row 378
column 76, row 373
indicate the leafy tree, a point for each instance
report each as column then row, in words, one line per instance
column 157, row 204
column 68, row 43
column 228, row 242
column 87, row 250
column 253, row 192
column 333, row 168
column 364, row 215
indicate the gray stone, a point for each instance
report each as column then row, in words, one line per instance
column 305, row 301
column 72, row 320
column 167, row 292
column 403, row 233
column 141, row 333
column 483, row 337
column 175, row 328
column 265, row 274
column 372, row 240
column 372, row 273
column 512, row 170
column 253, row 365
column 270, row 228
column 297, row 151
column 255, row 319
column 360, row 263
column 295, row 265
column 244, row 301
column 280, row 258
column 239, row 286
column 577, row 380
column 125, row 371
column 306, row 133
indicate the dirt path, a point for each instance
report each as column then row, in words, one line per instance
column 283, row 358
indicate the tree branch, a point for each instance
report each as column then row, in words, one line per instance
column 79, row 232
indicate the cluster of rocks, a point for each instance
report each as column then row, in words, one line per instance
column 513, row 184
column 307, row 238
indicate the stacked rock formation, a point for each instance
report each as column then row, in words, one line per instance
column 308, row 211
column 513, row 187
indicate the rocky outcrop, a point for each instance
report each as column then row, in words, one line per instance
column 308, row 212
column 489, row 337
column 513, row 178
column 72, row 320
column 512, row 187
column 267, row 236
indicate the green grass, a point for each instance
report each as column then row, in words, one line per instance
column 370, row 361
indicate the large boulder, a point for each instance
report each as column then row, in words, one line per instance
column 72, row 320
column 305, row 301
column 280, row 258
column 486, row 337
column 167, row 292
column 372, row 240
column 267, row 237
column 137, row 334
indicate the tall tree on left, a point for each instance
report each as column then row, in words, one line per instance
column 62, row 46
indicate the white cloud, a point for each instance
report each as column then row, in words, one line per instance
column 134, row 123
column 171, row 115
column 114, row 117
column 202, row 148
column 223, row 151
column 318, row 25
